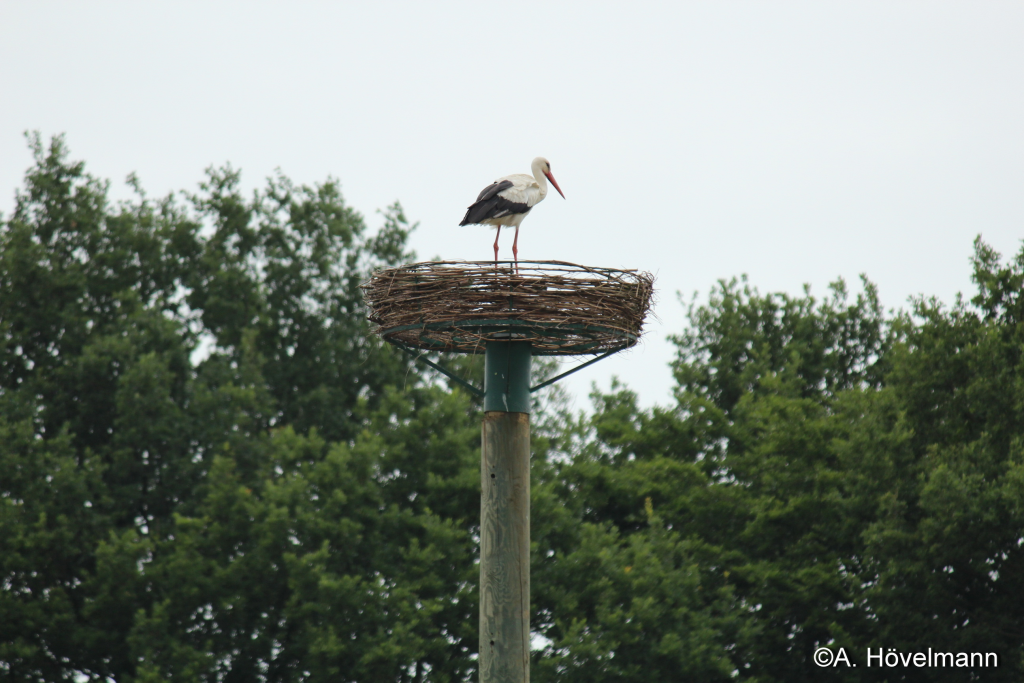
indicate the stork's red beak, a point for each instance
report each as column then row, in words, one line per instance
column 552, row 179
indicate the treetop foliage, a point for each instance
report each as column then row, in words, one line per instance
column 210, row 470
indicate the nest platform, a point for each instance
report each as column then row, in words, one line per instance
column 562, row 309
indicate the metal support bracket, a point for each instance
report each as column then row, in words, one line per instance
column 447, row 373
column 479, row 392
column 569, row 372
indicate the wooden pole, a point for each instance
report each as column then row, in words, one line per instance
column 505, row 516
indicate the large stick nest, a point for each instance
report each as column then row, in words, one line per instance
column 561, row 308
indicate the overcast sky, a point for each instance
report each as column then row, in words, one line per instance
column 796, row 142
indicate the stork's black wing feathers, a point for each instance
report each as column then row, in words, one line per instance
column 493, row 189
column 490, row 205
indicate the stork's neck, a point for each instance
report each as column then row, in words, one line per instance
column 541, row 179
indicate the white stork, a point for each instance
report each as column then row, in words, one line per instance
column 507, row 200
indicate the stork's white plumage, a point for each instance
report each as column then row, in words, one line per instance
column 507, row 200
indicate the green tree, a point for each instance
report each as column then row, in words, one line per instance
column 947, row 546
column 740, row 482
column 838, row 478
column 209, row 472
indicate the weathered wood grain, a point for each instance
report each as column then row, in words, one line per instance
column 505, row 549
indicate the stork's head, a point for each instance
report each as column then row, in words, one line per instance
column 544, row 166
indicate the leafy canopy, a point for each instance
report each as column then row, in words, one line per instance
column 210, row 470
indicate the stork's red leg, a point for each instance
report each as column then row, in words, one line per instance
column 515, row 249
column 496, row 245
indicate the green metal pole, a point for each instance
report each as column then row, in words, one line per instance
column 505, row 515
